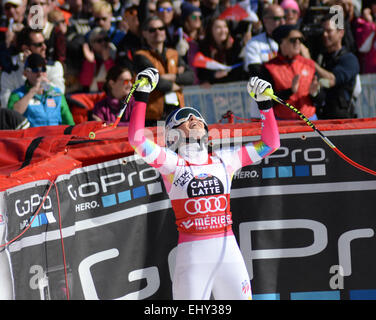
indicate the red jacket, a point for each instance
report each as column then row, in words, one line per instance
column 282, row 72
column 91, row 75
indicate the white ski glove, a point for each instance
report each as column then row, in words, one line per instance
column 152, row 75
column 256, row 87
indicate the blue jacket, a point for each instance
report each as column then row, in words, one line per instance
column 47, row 109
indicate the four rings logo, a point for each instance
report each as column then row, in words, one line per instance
column 206, row 205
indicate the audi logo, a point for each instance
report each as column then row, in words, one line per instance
column 205, row 205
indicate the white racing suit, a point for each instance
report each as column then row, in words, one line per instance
column 208, row 259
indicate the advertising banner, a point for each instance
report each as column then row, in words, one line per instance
column 303, row 217
column 306, row 220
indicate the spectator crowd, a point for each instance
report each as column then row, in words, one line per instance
column 59, row 53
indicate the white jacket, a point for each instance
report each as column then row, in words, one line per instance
column 259, row 49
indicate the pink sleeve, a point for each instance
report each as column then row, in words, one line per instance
column 254, row 151
column 164, row 160
column 269, row 133
column 137, row 124
column 270, row 142
column 152, row 153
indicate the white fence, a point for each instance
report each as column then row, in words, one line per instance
column 220, row 98
column 366, row 104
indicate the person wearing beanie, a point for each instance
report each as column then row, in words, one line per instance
column 291, row 75
column 292, row 11
column 187, row 9
column 283, row 32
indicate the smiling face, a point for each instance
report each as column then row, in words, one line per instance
column 121, row 87
column 165, row 11
column 155, row 34
column 193, row 128
column 220, row 31
column 291, row 45
column 37, row 44
column 274, row 17
column 332, row 36
column 292, row 16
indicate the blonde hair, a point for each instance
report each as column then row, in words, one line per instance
column 55, row 16
column 101, row 6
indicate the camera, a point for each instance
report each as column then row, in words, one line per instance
column 312, row 29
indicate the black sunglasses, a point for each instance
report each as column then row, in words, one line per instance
column 102, row 40
column 97, row 19
column 294, row 39
column 37, row 44
column 277, row 18
column 152, row 30
column 37, row 69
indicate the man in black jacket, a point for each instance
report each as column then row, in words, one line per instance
column 337, row 69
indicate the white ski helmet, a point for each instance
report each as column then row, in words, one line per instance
column 175, row 119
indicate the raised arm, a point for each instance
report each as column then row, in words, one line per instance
column 269, row 128
column 146, row 148
column 255, row 151
column 160, row 158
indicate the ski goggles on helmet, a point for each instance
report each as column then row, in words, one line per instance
column 178, row 117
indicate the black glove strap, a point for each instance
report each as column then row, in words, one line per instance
column 265, row 105
column 141, row 96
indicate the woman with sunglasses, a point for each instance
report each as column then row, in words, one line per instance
column 198, row 182
column 165, row 11
column 292, row 75
column 174, row 72
column 117, row 86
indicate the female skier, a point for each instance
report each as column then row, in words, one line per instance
column 208, row 259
